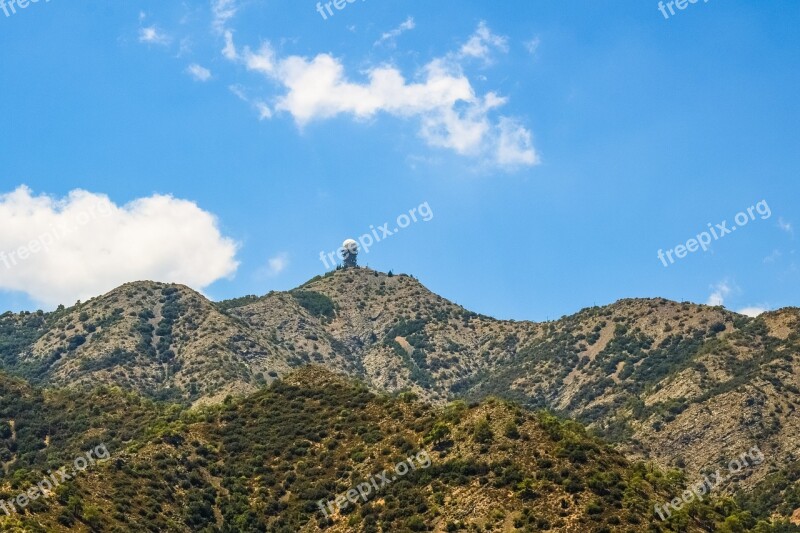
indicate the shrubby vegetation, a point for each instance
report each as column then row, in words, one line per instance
column 233, row 303
column 315, row 303
column 263, row 462
column 18, row 332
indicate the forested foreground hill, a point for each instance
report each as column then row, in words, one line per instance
column 263, row 462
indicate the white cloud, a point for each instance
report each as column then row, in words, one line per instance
column 480, row 45
column 263, row 109
column 229, row 51
column 390, row 36
column 198, row 72
column 533, row 45
column 442, row 98
column 725, row 288
column 515, row 146
column 152, row 35
column 752, row 311
column 62, row 250
column 262, row 61
column 275, row 265
column 239, row 92
column 785, row 226
column 222, row 11
column 264, row 112
column 720, row 291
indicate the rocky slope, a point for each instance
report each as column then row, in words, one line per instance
column 167, row 342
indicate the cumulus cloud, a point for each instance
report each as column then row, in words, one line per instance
column 152, row 35
column 390, row 36
column 61, row 250
column 451, row 114
column 199, row 73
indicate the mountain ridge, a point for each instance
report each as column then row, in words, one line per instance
column 683, row 385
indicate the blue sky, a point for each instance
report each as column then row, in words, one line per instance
column 557, row 148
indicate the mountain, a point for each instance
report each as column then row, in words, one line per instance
column 687, row 387
column 167, row 342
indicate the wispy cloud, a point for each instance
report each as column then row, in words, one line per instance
column 199, row 73
column 515, row 144
column 482, row 43
column 786, row 226
column 532, row 46
column 720, row 291
column 222, row 11
column 152, row 35
column 390, row 36
column 774, row 256
column 275, row 266
column 239, row 92
column 184, row 47
column 264, row 112
column 229, row 51
column 263, row 109
column 440, row 97
column 451, row 114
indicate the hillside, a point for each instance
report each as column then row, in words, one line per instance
column 264, row 462
column 167, row 342
column 687, row 386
